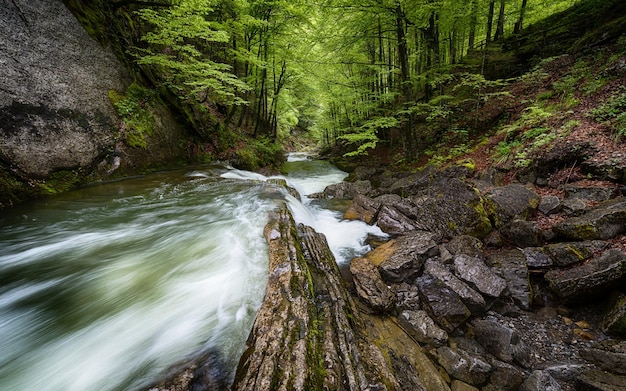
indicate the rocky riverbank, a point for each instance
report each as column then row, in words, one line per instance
column 503, row 285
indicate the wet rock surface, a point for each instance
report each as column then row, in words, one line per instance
column 524, row 306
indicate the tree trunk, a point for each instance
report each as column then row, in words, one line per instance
column 500, row 28
column 472, row 24
column 520, row 22
column 492, row 5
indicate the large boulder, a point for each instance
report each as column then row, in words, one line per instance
column 443, row 305
column 404, row 257
column 421, row 327
column 452, row 207
column 511, row 265
column 362, row 208
column 569, row 253
column 513, row 201
column 391, row 221
column 605, row 221
column 370, row 286
column 595, row 277
column 464, row 366
column 478, row 274
column 501, row 341
column 472, row 299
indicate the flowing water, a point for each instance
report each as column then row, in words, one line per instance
column 106, row 287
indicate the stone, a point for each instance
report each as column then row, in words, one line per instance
column 513, row 201
column 540, row 381
column 408, row 255
column 402, row 205
column 573, row 206
column 477, row 273
column 412, row 184
column 341, row 190
column 362, row 208
column 569, row 253
column 369, row 285
column 614, row 321
column 391, row 221
column 511, row 265
column 595, row 277
column 501, row 341
column 549, row 204
column 465, row 244
column 505, row 376
column 537, row 257
column 594, row 193
column 597, row 380
column 421, row 327
column 407, row 297
column 472, row 299
column 609, row 355
column 523, row 233
column 464, row 366
column 443, row 305
column 452, row 207
column 605, row 221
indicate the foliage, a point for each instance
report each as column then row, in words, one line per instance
column 613, row 110
column 135, row 111
column 259, row 153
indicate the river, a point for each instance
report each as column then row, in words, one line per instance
column 106, row 287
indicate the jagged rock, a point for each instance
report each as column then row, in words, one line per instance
column 370, row 286
column 407, row 297
column 472, row 299
column 406, row 259
column 501, row 341
column 443, row 305
column 565, row 254
column 505, row 376
column 594, row 277
column 537, row 257
column 461, row 386
column 477, row 273
column 595, row 380
column 573, row 206
column 511, row 265
column 452, row 207
column 568, row 372
column 362, row 208
column 464, row 366
column 308, row 333
column 523, row 233
column 341, row 190
column 549, row 204
column 595, row 193
column 412, row 184
column 465, row 244
column 540, row 381
column 402, row 205
column 391, row 221
column 614, row 322
column 607, row 355
column 510, row 202
column 421, row 327
column 605, row 221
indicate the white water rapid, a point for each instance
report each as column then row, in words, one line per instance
column 106, row 287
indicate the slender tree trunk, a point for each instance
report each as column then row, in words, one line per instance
column 472, row 23
column 500, row 29
column 492, row 5
column 520, row 22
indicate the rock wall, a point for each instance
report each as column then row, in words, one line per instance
column 55, row 112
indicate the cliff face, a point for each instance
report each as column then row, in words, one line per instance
column 56, row 118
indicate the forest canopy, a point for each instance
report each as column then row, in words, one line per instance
column 356, row 72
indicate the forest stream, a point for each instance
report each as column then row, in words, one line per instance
column 106, row 287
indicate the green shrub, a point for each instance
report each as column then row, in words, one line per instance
column 135, row 111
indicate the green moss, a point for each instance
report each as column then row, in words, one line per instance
column 59, row 182
column 136, row 110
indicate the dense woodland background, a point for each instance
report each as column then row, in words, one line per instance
column 355, row 73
